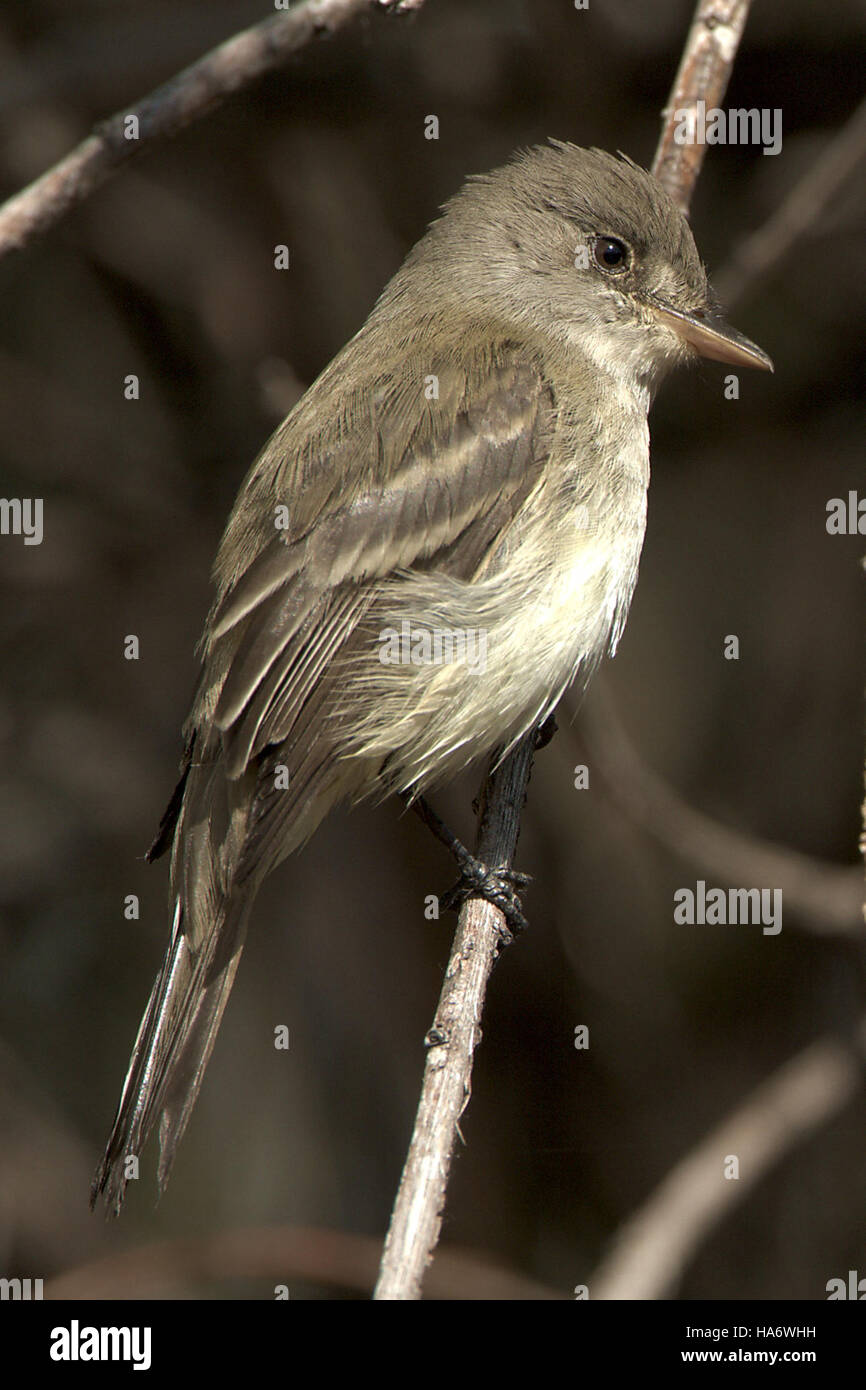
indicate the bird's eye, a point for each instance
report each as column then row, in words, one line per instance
column 610, row 254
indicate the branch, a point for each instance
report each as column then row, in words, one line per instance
column 702, row 76
column 804, row 206
column 417, row 1216
column 189, row 95
column 826, row 897
column 653, row 1248
column 456, row 1031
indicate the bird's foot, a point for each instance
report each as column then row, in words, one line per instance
column 498, row 886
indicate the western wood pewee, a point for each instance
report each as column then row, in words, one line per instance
column 442, row 535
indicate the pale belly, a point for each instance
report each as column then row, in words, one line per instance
column 508, row 644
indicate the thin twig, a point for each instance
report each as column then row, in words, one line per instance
column 451, row 1041
column 826, row 898
column 758, row 254
column 703, row 75
column 653, row 1248
column 189, row 95
column 416, row 1219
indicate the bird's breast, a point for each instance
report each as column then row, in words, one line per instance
column 551, row 600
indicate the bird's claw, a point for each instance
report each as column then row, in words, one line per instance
column 498, row 886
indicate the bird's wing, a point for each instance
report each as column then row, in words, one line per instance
column 442, row 505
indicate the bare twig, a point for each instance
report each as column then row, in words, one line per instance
column 451, row 1041
column 703, row 75
column 415, row 1222
column 826, row 898
column 227, row 69
column 804, row 206
column 653, row 1248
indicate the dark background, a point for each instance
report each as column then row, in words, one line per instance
column 167, row 272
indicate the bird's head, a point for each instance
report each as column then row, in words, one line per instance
column 591, row 248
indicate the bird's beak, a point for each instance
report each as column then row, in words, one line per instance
column 712, row 337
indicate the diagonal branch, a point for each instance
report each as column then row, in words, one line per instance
column 415, row 1222
column 703, row 75
column 191, row 94
column 826, row 897
column 456, row 1031
column 800, row 211
column 653, row 1248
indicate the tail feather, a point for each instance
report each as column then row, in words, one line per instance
column 172, row 1049
column 184, row 1082
column 227, row 836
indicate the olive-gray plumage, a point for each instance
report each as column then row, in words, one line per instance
column 475, row 458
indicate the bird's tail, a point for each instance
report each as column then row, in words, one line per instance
column 172, row 1050
column 180, row 1023
column 226, row 835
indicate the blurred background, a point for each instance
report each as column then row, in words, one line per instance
column 167, row 273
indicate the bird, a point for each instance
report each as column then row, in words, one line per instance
column 474, row 460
